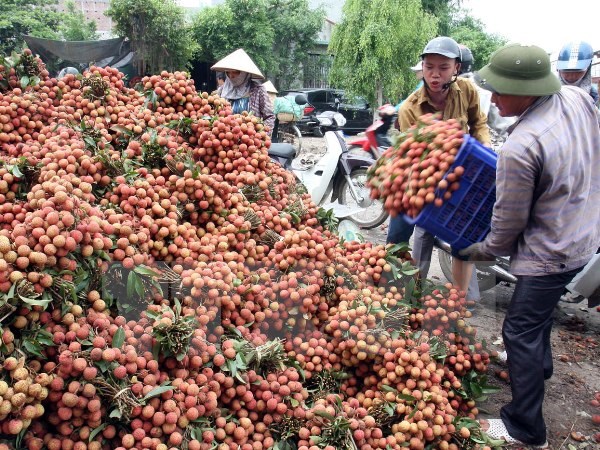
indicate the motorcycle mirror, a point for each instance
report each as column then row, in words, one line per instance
column 301, row 99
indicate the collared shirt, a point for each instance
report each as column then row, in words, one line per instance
column 462, row 104
column 547, row 211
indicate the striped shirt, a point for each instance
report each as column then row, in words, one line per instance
column 261, row 106
column 547, row 211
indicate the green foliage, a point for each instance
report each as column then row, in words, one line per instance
column 471, row 32
column 375, row 45
column 158, row 31
column 21, row 17
column 74, row 26
column 276, row 34
column 443, row 11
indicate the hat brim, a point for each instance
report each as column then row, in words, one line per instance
column 487, row 79
column 238, row 60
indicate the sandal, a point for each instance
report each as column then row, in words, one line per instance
column 497, row 430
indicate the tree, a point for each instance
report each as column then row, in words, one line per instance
column 295, row 29
column 470, row 32
column 74, row 26
column 221, row 29
column 276, row 34
column 375, row 45
column 443, row 10
column 22, row 17
column 158, row 31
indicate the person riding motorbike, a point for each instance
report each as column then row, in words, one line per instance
column 574, row 67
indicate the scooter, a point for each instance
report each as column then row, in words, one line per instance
column 339, row 173
column 328, row 121
column 375, row 139
column 488, row 276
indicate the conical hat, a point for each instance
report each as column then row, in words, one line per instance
column 238, row 60
column 270, row 87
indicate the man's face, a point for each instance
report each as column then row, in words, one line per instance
column 512, row 105
column 572, row 76
column 439, row 70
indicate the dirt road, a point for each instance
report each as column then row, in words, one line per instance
column 568, row 407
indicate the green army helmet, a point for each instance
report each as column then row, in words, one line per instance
column 517, row 69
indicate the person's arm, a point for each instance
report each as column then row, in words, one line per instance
column 406, row 117
column 478, row 127
column 515, row 185
column 266, row 109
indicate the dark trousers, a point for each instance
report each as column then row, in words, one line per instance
column 399, row 231
column 526, row 332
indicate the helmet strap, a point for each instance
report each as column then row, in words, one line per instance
column 449, row 83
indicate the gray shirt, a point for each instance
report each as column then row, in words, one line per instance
column 547, row 211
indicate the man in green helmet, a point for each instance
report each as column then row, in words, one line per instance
column 546, row 218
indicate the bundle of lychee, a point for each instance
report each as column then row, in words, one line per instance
column 418, row 170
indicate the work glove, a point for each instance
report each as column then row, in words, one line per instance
column 475, row 254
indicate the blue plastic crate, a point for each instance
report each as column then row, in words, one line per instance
column 465, row 218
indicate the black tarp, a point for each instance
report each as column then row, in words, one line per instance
column 110, row 51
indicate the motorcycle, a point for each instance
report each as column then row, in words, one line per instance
column 375, row 139
column 488, row 276
column 339, row 173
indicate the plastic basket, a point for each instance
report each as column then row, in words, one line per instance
column 286, row 117
column 465, row 218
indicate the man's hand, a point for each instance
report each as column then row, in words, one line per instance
column 476, row 254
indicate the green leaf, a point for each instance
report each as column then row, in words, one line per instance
column 118, row 338
column 115, row 413
column 97, row 430
column 157, row 391
column 406, row 397
column 24, row 81
column 387, row 388
column 139, row 287
column 122, row 129
column 144, row 270
column 324, row 414
column 33, row 348
column 16, row 171
column 31, row 301
column 131, row 278
column 102, row 365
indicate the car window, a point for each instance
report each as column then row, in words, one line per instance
column 354, row 101
column 318, row 97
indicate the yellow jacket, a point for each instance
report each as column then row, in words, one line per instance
column 462, row 104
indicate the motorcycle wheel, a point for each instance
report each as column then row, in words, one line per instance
column 371, row 216
column 485, row 279
column 290, row 134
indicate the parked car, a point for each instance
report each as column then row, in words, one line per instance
column 356, row 110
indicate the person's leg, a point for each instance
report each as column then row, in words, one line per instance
column 422, row 250
column 462, row 273
column 399, row 230
column 473, row 293
column 526, row 332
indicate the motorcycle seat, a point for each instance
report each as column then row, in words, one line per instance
column 282, row 150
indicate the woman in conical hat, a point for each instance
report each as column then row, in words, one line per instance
column 242, row 87
column 271, row 91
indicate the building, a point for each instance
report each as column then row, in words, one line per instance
column 93, row 10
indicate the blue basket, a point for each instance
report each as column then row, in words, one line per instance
column 465, row 218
